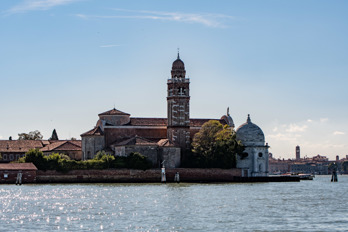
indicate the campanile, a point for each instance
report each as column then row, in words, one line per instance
column 178, row 100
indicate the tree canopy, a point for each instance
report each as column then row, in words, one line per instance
column 32, row 135
column 216, row 146
column 103, row 160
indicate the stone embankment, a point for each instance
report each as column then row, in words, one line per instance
column 150, row 176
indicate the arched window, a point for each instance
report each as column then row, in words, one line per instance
column 260, row 154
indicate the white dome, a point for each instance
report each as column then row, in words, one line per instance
column 250, row 134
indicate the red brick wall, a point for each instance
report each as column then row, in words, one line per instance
column 127, row 175
column 27, row 177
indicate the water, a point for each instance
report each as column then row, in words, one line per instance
column 317, row 205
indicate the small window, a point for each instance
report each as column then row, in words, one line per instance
column 5, row 157
column 244, row 155
column 5, row 175
column 11, row 157
column 260, row 154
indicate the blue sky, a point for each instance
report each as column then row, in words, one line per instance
column 284, row 62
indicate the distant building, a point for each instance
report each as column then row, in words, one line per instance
column 168, row 139
column 10, row 171
column 71, row 148
column 309, row 168
column 12, row 150
column 277, row 166
column 298, row 155
column 316, row 165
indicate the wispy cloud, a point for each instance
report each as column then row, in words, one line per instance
column 209, row 20
column 296, row 128
column 338, row 133
column 322, row 120
column 323, row 145
column 109, row 45
column 284, row 137
column 32, row 5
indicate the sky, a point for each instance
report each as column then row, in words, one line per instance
column 283, row 62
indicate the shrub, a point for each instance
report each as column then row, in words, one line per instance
column 37, row 158
column 135, row 160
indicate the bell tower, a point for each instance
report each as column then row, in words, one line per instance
column 178, row 100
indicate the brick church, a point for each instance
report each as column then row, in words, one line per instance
column 160, row 139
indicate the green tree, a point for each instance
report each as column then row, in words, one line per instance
column 100, row 155
column 37, row 158
column 32, row 135
column 108, row 160
column 216, row 146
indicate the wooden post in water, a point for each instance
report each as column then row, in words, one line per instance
column 334, row 176
column 177, row 177
column 163, row 173
column 19, row 178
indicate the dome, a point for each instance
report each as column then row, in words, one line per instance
column 250, row 134
column 228, row 119
column 178, row 64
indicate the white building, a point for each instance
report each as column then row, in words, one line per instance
column 254, row 161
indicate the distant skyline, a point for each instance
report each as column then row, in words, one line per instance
column 283, row 62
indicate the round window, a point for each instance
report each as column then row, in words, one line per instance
column 260, row 154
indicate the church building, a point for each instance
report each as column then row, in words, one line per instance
column 159, row 139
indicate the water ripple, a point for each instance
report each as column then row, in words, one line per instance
column 306, row 206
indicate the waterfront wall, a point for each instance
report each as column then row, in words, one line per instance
column 137, row 176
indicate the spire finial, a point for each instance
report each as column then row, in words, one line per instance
column 248, row 120
column 228, row 111
column 178, row 54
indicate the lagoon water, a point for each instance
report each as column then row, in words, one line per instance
column 317, row 205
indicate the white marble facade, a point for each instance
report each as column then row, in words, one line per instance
column 254, row 161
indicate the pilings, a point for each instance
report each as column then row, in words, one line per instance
column 334, row 176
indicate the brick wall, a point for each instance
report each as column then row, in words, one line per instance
column 27, row 176
column 134, row 176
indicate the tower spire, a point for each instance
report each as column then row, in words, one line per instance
column 178, row 54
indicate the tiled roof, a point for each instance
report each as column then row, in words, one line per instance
column 148, row 121
column 67, row 145
column 17, row 166
column 20, row 145
column 164, row 143
column 194, row 122
column 113, row 112
column 136, row 141
column 95, row 131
